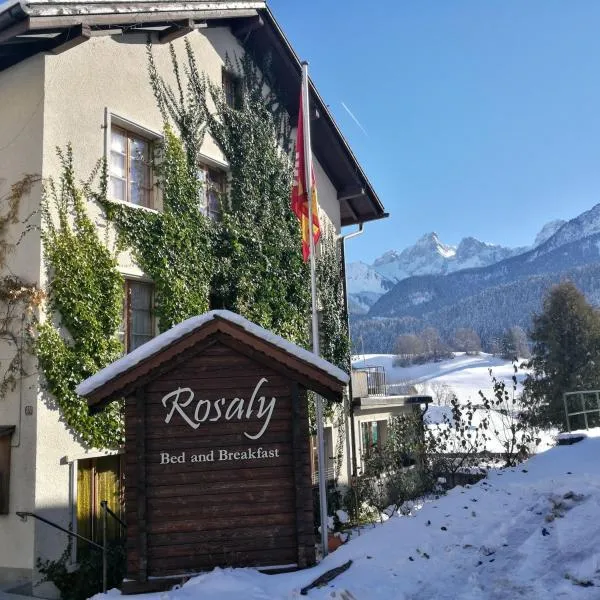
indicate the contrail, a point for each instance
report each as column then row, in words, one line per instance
column 355, row 119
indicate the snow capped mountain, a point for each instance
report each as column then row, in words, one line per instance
column 365, row 286
column 361, row 277
column 430, row 256
column 472, row 253
column 427, row 256
column 547, row 231
column 586, row 224
column 491, row 298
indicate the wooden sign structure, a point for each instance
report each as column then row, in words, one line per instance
column 217, row 448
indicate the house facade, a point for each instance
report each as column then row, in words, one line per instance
column 77, row 72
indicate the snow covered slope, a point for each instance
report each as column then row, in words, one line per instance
column 463, row 375
column 530, row 532
column 361, row 278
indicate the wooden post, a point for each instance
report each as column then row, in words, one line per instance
column 104, row 547
column 302, row 478
column 140, row 443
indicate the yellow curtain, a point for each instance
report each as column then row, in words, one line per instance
column 108, row 471
column 98, row 479
column 84, row 503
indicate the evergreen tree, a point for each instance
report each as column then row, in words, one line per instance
column 514, row 344
column 566, row 353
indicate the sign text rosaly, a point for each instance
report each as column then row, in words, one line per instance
column 216, row 410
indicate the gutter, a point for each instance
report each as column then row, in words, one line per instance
column 350, row 444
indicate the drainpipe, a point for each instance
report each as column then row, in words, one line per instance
column 352, row 444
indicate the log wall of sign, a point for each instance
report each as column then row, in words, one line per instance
column 217, row 463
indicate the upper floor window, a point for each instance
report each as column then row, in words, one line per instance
column 138, row 314
column 214, row 182
column 129, row 167
column 232, row 88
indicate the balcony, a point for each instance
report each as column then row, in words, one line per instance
column 370, row 382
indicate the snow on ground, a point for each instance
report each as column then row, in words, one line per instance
column 464, row 375
column 530, row 532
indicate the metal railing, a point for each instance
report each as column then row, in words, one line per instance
column 589, row 408
column 375, row 380
column 329, row 475
column 106, row 512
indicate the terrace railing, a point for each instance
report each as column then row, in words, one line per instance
column 582, row 409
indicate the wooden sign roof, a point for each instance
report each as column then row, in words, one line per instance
column 169, row 349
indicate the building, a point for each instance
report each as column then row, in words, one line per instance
column 77, row 72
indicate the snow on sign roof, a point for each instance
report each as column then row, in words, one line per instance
column 154, row 346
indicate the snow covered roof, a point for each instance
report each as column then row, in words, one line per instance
column 90, row 7
column 155, row 346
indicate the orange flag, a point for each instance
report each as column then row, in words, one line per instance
column 299, row 195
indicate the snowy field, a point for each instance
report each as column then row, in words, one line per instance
column 530, row 532
column 464, row 375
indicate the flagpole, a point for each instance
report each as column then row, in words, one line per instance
column 313, row 293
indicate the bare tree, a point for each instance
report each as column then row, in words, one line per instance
column 467, row 340
column 441, row 393
column 433, row 345
column 408, row 346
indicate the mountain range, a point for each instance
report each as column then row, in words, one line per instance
column 482, row 286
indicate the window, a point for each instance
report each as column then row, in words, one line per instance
column 98, row 479
column 329, row 456
column 129, row 168
column 370, row 437
column 212, row 192
column 232, row 88
column 138, row 314
column 6, row 432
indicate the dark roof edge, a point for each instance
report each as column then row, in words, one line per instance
column 7, row 430
column 13, row 13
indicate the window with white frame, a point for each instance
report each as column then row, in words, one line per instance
column 130, row 167
column 137, row 326
column 232, row 89
column 214, row 183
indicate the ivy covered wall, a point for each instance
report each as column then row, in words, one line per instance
column 249, row 261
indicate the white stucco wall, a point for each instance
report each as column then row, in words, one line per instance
column 329, row 206
column 21, row 141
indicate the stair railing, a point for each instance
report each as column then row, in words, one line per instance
column 106, row 512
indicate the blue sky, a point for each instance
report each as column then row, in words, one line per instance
column 481, row 118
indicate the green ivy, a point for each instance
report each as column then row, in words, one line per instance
column 85, row 293
column 334, row 338
column 248, row 262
